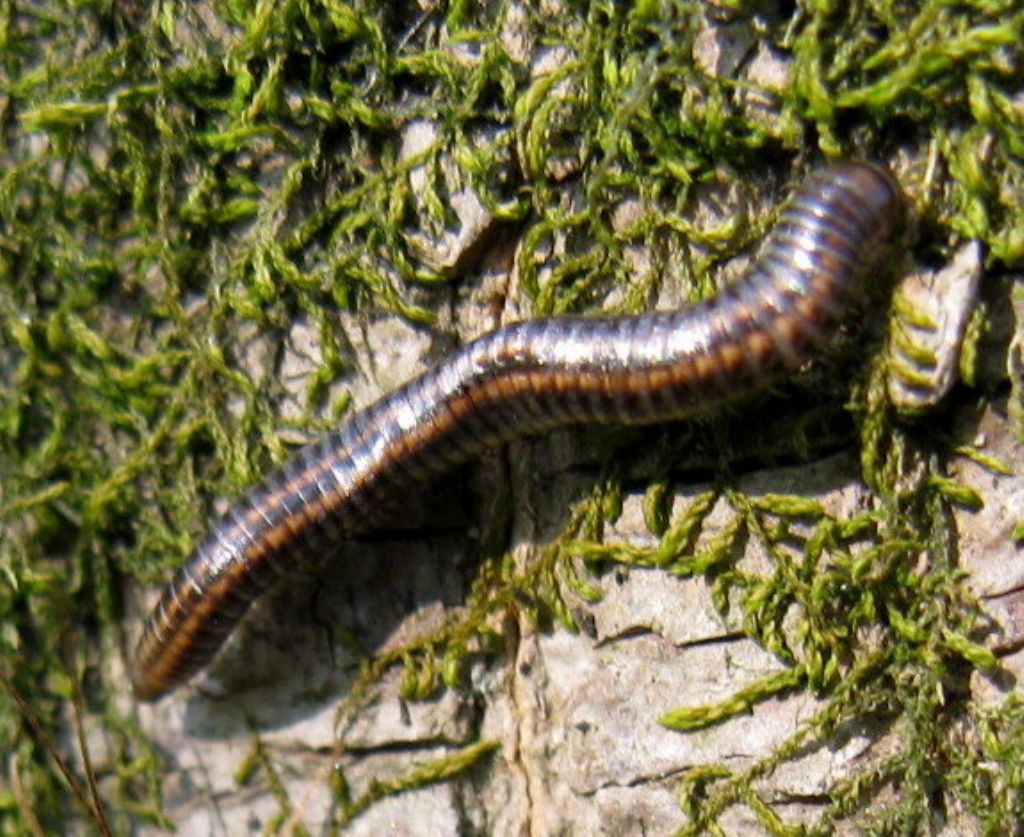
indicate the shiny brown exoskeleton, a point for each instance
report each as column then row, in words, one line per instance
column 524, row 379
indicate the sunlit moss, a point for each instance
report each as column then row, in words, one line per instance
column 175, row 175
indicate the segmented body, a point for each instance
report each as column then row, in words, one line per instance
column 524, row 379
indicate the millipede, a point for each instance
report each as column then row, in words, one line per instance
column 831, row 237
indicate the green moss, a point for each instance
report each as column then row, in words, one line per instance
column 425, row 774
column 172, row 181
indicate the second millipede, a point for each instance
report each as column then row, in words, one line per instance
column 831, row 237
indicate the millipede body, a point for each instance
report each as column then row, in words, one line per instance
column 523, row 379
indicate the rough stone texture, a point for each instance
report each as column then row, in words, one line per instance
column 719, row 49
column 994, row 563
column 445, row 248
column 993, row 560
column 730, row 50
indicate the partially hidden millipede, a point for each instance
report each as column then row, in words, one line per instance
column 831, row 237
